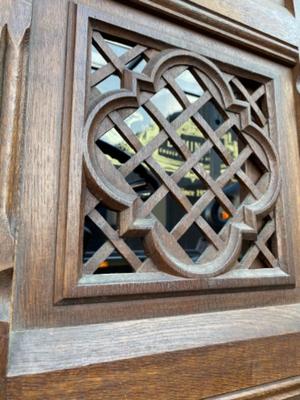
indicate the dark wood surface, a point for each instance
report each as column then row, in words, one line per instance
column 105, row 184
column 241, row 25
column 4, row 330
column 47, row 350
column 44, row 193
column 72, row 337
column 192, row 374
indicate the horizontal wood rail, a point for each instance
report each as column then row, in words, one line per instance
column 109, row 342
column 242, row 28
column 165, row 356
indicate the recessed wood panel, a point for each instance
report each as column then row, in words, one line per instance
column 57, row 126
column 164, row 143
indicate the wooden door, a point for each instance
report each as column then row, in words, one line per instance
column 149, row 199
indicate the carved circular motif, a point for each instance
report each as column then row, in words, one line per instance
column 108, row 184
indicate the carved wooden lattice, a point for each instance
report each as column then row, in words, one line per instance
column 148, row 105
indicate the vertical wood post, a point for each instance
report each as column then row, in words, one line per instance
column 13, row 55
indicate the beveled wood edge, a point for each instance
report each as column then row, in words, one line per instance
column 71, row 290
column 278, row 390
column 173, row 375
column 45, row 350
column 222, row 26
column 16, row 15
column 15, row 21
column 231, row 367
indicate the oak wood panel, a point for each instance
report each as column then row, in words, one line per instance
column 14, row 25
column 36, row 252
column 242, row 24
column 197, row 373
column 191, row 359
column 46, row 350
column 119, row 197
column 278, row 390
column 268, row 11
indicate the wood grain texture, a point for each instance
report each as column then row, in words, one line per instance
column 278, row 390
column 192, row 374
column 129, row 352
column 241, row 25
column 14, row 24
column 37, row 250
column 132, row 212
column 107, row 185
column 45, row 350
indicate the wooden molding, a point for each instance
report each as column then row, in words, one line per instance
column 88, row 177
column 215, row 18
column 266, row 354
column 36, row 351
column 70, row 384
column 50, row 351
column 13, row 51
column 37, row 253
column 283, row 389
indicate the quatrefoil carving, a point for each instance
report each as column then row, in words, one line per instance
column 109, row 186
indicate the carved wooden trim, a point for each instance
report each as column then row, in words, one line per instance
column 13, row 57
column 36, row 347
column 203, row 17
column 284, row 389
column 214, row 350
column 157, row 244
column 84, row 360
column 51, row 385
column 105, row 183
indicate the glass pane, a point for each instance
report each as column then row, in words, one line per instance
column 169, row 211
column 212, row 114
column 113, row 138
column 215, row 214
column 137, row 65
column 189, row 85
column 98, row 60
column 193, row 242
column 168, row 157
column 118, row 48
column 116, row 149
column 142, row 125
column 230, row 141
column 115, row 263
column 113, row 82
column 167, row 104
column 191, row 135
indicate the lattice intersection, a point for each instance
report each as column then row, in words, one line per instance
column 179, row 133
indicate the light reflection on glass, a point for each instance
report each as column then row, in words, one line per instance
column 118, row 48
column 114, row 139
column 142, row 125
column 230, row 141
column 98, row 60
column 188, row 83
column 167, row 104
column 113, row 82
column 212, row 114
column 137, row 64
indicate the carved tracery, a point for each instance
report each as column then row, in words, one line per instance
column 147, row 83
